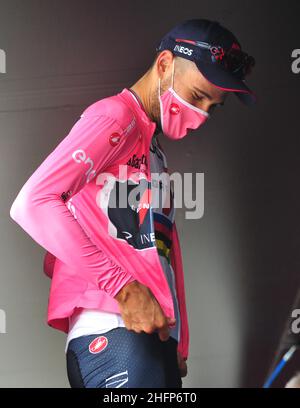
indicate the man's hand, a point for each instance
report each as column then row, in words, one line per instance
column 141, row 311
column 181, row 364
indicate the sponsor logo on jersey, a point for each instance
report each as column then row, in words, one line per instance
column 138, row 162
column 127, row 207
column 66, row 195
column 80, row 156
column 114, row 138
column 98, row 344
column 145, row 238
column 130, row 126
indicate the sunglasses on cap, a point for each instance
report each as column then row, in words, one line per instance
column 235, row 61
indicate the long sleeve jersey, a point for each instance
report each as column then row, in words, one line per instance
column 94, row 247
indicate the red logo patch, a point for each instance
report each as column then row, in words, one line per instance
column 114, row 139
column 174, row 109
column 98, row 344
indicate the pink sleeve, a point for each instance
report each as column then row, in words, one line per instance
column 40, row 210
column 177, row 264
column 48, row 264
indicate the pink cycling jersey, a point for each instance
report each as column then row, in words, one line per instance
column 94, row 249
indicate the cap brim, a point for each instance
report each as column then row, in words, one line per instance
column 227, row 82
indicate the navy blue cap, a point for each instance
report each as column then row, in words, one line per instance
column 216, row 52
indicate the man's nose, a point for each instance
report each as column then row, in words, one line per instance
column 204, row 105
column 207, row 106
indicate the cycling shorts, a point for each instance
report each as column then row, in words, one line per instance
column 122, row 358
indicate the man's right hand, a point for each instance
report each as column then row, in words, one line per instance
column 141, row 311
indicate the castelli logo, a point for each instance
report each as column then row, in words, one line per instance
column 98, row 344
column 114, row 139
column 174, row 109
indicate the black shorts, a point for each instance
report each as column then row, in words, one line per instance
column 122, row 358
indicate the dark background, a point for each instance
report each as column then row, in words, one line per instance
column 241, row 259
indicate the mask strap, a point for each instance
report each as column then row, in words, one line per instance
column 172, row 78
column 173, row 73
column 159, row 87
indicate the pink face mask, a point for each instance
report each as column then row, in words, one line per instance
column 177, row 115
